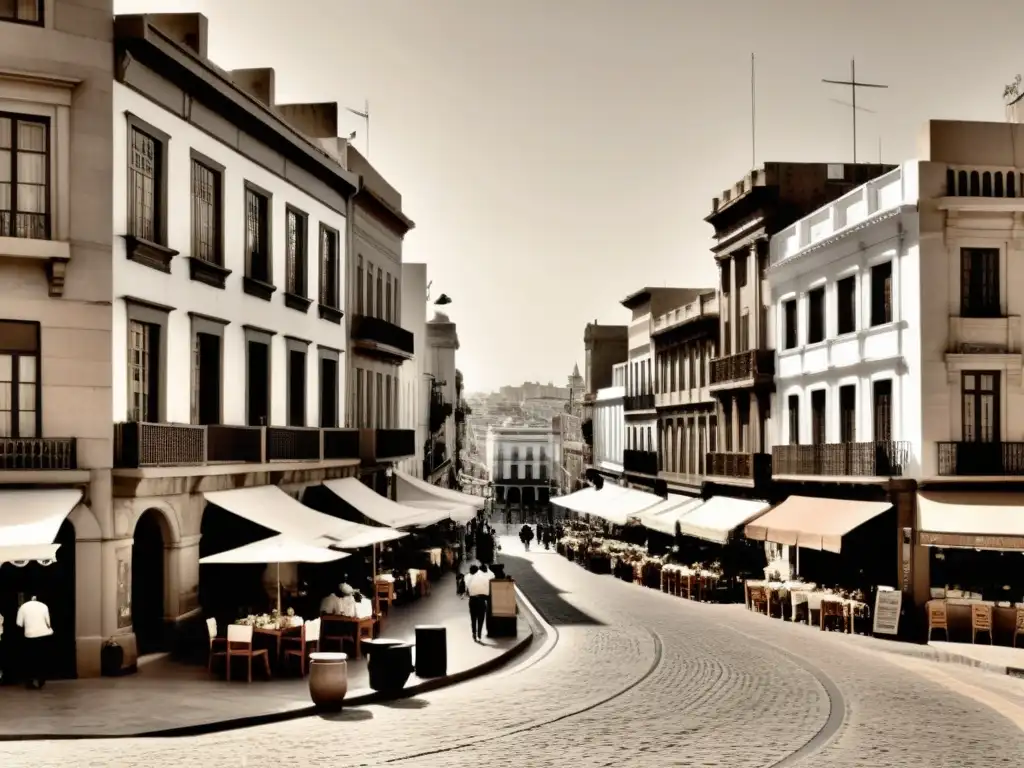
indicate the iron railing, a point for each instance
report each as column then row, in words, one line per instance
column 980, row 459
column 743, row 366
column 38, row 453
column 640, row 462
column 639, row 402
column 875, row 459
column 739, row 466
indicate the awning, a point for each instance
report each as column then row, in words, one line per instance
column 276, row 549
column 30, row 521
column 411, row 488
column 662, row 517
column 586, row 499
column 976, row 520
column 269, row 506
column 457, row 513
column 618, row 508
column 380, row 509
column 814, row 523
column 718, row 517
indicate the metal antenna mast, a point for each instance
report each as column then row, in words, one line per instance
column 365, row 114
column 854, row 85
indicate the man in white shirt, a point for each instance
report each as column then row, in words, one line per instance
column 347, row 601
column 34, row 618
column 478, row 587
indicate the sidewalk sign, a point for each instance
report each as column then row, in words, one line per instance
column 888, row 604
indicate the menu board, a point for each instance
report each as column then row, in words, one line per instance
column 887, row 612
column 503, row 597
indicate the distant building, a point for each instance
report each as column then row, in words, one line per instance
column 522, row 461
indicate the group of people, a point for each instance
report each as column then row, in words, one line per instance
column 546, row 535
column 478, row 587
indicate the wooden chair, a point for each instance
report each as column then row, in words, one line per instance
column 340, row 631
column 759, row 600
column 938, row 618
column 981, row 621
column 215, row 642
column 240, row 645
column 832, row 609
column 384, row 593
column 308, row 642
column 1018, row 628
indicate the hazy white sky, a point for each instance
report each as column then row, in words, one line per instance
column 559, row 154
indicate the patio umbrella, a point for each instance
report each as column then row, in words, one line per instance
column 276, row 550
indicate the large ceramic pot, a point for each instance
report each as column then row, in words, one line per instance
column 389, row 664
column 328, row 679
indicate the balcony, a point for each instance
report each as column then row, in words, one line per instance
column 379, row 445
column 739, row 467
column 639, row 403
column 882, row 459
column 381, row 338
column 981, row 459
column 640, row 462
column 744, row 369
column 142, row 444
column 40, row 453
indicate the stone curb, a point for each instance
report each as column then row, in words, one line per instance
column 359, row 700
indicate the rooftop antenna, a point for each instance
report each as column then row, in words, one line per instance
column 753, row 124
column 854, row 85
column 365, row 114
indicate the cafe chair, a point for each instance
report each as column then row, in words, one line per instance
column 215, row 642
column 240, row 645
column 759, row 600
column 338, row 631
column 384, row 591
column 831, row 610
column 981, row 622
column 308, row 642
column 1018, row 627
column 938, row 618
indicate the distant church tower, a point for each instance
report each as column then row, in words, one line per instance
column 576, row 384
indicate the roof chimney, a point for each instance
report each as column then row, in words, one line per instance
column 258, row 83
column 187, row 29
column 315, row 121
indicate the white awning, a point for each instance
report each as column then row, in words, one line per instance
column 457, row 513
column 30, row 521
column 276, row 549
column 411, row 488
column 718, row 517
column 814, row 523
column 380, row 509
column 617, row 509
column 269, row 506
column 586, row 499
column 662, row 517
column 972, row 519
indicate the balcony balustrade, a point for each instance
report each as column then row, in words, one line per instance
column 640, row 462
column 752, row 366
column 639, row 402
column 386, row 444
column 754, row 467
column 144, row 444
column 38, row 453
column 374, row 334
column 876, row 459
column 981, row 459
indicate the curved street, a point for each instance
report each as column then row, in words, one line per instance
column 635, row 677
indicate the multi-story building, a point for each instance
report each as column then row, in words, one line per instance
column 56, row 74
column 522, row 461
column 609, row 425
column 640, row 458
column 568, row 430
column 744, row 217
column 442, row 343
column 414, row 385
column 685, row 341
column 379, row 346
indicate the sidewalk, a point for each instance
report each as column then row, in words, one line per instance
column 170, row 696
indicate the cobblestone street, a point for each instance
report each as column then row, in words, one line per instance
column 636, row 678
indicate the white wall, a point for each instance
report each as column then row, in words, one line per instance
column 609, row 428
column 503, row 444
column 232, row 304
column 413, row 410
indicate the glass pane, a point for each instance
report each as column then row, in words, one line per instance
column 32, row 198
column 969, row 381
column 6, row 367
column 988, row 418
column 969, row 433
column 27, row 365
column 988, row 382
column 5, row 165
column 5, row 133
column 5, row 424
column 26, row 397
column 6, row 401
column 26, row 424
column 31, row 136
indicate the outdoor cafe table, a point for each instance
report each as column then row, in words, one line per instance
column 277, row 634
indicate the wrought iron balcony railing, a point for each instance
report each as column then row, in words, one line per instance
column 640, row 462
column 876, row 459
column 743, row 366
column 740, row 466
column 38, row 453
column 639, row 402
column 981, row 459
column 380, row 332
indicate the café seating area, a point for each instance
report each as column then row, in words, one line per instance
column 805, row 602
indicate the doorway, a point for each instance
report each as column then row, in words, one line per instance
column 148, row 583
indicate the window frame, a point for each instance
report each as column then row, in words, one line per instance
column 816, row 321
column 208, row 326
column 325, row 354
column 296, row 295
column 40, row 22
column 882, row 304
column 790, row 325
column 975, row 306
column 331, row 312
column 882, row 404
column 819, row 417
column 977, row 391
column 847, row 413
column 263, row 336
column 793, row 418
column 253, row 284
column 47, row 123
column 16, row 351
column 156, row 315
column 846, row 305
column 294, row 345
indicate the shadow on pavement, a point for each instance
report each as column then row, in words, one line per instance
column 545, row 596
column 347, row 715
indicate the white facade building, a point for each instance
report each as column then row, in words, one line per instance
column 414, row 394
column 609, row 423
column 845, row 283
column 521, row 462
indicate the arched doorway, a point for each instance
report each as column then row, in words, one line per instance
column 148, row 559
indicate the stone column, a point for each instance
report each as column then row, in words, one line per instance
column 181, row 578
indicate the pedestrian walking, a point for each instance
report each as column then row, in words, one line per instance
column 478, row 587
column 526, row 536
column 34, row 619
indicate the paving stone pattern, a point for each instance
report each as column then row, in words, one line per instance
column 655, row 681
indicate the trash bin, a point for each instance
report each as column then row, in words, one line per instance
column 389, row 664
column 328, row 679
column 431, row 651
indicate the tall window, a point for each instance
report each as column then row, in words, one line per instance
column 379, row 410
column 881, row 294
column 206, row 378
column 387, row 402
column 329, row 268
column 793, row 409
column 258, row 383
column 387, row 301
column 20, row 414
column 846, row 305
column 848, row 413
column 144, row 186
column 979, row 282
column 980, row 403
column 206, row 197
column 818, row 417
column 743, row 417
column 22, row 11
column 328, row 392
column 816, row 315
column 882, row 395
column 143, row 373
column 380, row 292
column 296, row 388
column 789, row 326
column 359, row 285
column 24, row 176
column 360, row 409
column 744, row 333
column 371, row 400
column 257, row 235
column 726, row 339
column 369, row 288
column 295, row 253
